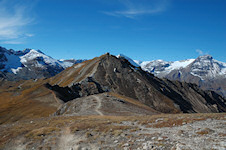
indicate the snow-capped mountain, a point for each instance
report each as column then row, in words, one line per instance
column 30, row 64
column 204, row 67
column 161, row 67
column 69, row 62
column 208, row 73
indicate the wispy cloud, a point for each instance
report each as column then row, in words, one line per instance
column 15, row 16
column 133, row 8
column 12, row 42
column 201, row 52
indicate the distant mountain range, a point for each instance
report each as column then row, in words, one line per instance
column 30, row 64
column 203, row 67
column 206, row 72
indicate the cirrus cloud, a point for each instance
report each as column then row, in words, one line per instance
column 15, row 16
column 201, row 52
column 133, row 8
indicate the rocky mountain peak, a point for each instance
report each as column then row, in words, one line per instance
column 24, row 52
column 205, row 57
column 206, row 67
column 2, row 49
column 205, row 60
column 108, row 73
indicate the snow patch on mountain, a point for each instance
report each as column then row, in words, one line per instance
column 16, row 70
column 207, row 67
column 223, row 67
column 33, row 54
column 129, row 59
column 66, row 64
column 179, row 64
column 13, row 62
column 160, row 66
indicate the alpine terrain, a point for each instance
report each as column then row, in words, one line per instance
column 107, row 102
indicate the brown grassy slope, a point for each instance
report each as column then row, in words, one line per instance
column 74, row 74
column 133, row 101
column 25, row 100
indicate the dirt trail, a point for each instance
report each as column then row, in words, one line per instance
column 55, row 98
column 98, row 105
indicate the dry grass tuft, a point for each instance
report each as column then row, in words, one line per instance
column 132, row 101
column 205, row 131
column 41, row 132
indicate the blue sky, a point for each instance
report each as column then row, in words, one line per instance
column 141, row 29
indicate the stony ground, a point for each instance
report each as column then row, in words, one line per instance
column 159, row 132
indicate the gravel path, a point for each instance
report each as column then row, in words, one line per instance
column 98, row 105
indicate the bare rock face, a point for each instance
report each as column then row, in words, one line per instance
column 110, row 74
